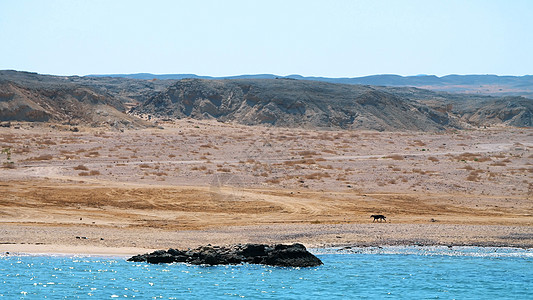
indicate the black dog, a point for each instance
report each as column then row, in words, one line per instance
column 378, row 217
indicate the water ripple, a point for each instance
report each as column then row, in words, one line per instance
column 387, row 272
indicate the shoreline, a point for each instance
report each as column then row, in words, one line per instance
column 68, row 250
column 55, row 251
column 132, row 241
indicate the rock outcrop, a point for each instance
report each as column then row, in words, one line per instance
column 295, row 255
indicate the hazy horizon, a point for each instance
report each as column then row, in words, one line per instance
column 259, row 74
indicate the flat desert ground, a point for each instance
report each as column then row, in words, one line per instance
column 188, row 183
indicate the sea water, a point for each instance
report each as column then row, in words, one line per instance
column 360, row 273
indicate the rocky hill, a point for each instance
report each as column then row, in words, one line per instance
column 39, row 98
column 126, row 90
column 69, row 100
column 104, row 101
column 301, row 103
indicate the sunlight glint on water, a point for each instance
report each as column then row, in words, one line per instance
column 392, row 272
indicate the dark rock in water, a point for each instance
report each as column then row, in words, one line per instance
column 295, row 255
column 161, row 258
column 251, row 250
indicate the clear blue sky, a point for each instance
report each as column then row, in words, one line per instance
column 313, row 38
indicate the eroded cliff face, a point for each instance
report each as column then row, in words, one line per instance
column 510, row 111
column 292, row 103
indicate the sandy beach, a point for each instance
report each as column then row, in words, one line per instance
column 201, row 182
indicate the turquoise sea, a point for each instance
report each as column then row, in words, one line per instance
column 357, row 273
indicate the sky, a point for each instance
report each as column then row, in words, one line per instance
column 332, row 38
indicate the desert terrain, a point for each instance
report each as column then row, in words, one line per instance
column 191, row 182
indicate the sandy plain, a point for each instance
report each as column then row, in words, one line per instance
column 190, row 182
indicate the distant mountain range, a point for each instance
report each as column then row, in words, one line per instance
column 470, row 84
column 278, row 101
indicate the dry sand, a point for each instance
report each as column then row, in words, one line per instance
column 199, row 182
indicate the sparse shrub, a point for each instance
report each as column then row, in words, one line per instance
column 91, row 173
column 8, row 163
column 307, row 161
column 197, row 168
column 483, row 159
column 307, row 153
column 472, row 177
column 329, row 151
column 419, row 171
column 467, row 167
column 46, row 142
column 317, row 175
column 42, row 157
column 81, row 168
column 467, row 156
